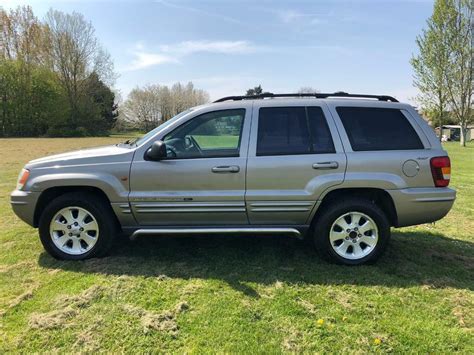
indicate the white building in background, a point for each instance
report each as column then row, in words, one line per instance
column 453, row 133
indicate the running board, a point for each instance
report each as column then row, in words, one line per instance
column 292, row 232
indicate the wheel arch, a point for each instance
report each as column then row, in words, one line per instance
column 378, row 196
column 54, row 192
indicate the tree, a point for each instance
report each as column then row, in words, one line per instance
column 154, row 104
column 459, row 39
column 444, row 66
column 75, row 54
column 307, row 90
column 143, row 106
column 431, row 64
column 29, row 106
column 22, row 36
column 103, row 98
column 257, row 90
column 54, row 77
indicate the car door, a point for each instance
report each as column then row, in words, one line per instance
column 202, row 180
column 294, row 155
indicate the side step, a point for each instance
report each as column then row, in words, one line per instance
column 291, row 232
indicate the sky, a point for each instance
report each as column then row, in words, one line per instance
column 226, row 47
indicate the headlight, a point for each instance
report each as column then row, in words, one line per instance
column 24, row 174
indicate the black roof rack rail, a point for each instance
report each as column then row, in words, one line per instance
column 315, row 95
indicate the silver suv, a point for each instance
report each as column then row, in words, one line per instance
column 340, row 169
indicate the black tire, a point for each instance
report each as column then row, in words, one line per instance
column 100, row 209
column 336, row 209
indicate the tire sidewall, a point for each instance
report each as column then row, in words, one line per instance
column 324, row 224
column 89, row 203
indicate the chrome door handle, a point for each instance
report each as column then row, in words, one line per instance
column 326, row 165
column 226, row 169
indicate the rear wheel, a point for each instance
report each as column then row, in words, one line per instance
column 77, row 226
column 352, row 232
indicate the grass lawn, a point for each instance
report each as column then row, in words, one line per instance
column 237, row 294
column 215, row 142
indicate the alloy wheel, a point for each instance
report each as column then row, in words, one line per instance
column 353, row 235
column 74, row 230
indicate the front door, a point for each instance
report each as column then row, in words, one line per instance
column 202, row 180
column 294, row 155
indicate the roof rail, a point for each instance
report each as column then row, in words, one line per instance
column 316, row 95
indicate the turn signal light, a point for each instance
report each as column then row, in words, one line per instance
column 22, row 178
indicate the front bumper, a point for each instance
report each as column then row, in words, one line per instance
column 422, row 205
column 24, row 205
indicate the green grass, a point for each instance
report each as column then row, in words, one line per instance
column 215, row 142
column 237, row 294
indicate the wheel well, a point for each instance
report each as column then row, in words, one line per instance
column 53, row 192
column 378, row 196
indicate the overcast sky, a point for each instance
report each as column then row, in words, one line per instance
column 226, row 47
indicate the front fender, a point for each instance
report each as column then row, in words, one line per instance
column 114, row 187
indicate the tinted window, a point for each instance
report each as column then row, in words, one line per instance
column 213, row 134
column 321, row 136
column 378, row 129
column 293, row 130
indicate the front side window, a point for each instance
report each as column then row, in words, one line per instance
column 374, row 129
column 165, row 124
column 292, row 131
column 210, row 135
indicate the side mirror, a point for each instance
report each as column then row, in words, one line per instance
column 157, row 151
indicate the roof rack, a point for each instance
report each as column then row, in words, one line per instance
column 315, row 95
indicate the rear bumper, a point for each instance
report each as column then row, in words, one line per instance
column 23, row 204
column 422, row 205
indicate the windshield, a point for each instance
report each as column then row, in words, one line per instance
column 165, row 124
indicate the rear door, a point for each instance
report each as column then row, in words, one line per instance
column 294, row 155
column 385, row 146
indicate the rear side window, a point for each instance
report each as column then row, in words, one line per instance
column 378, row 129
column 318, row 127
column 293, row 130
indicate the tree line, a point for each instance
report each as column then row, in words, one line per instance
column 147, row 107
column 444, row 65
column 54, row 76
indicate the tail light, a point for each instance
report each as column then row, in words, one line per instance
column 441, row 171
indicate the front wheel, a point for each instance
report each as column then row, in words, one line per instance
column 77, row 226
column 352, row 232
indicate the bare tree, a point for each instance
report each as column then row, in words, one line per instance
column 21, row 35
column 307, row 90
column 143, row 107
column 257, row 90
column 154, row 104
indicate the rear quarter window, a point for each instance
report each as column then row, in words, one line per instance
column 372, row 128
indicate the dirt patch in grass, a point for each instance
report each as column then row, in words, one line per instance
column 23, row 297
column 163, row 322
column 343, row 298
column 81, row 300
column 308, row 306
column 68, row 307
column 53, row 319
column 191, row 288
column 291, row 342
column 23, row 264
column 88, row 340
column 18, row 300
column 463, row 310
